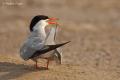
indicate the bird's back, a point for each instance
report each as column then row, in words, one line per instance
column 33, row 43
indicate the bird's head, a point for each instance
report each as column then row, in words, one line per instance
column 42, row 20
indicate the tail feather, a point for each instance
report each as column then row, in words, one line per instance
column 47, row 48
column 57, row 45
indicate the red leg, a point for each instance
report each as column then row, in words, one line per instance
column 36, row 66
column 47, row 63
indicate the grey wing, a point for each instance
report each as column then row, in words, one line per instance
column 30, row 46
column 36, row 41
column 26, row 52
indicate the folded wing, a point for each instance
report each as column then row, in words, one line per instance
column 47, row 48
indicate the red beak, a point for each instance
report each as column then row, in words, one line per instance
column 51, row 21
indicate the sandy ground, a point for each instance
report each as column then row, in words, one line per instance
column 14, row 69
column 92, row 26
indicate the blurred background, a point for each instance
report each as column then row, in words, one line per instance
column 93, row 26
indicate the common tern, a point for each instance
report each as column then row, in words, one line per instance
column 39, row 44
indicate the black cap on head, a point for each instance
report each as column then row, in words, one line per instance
column 36, row 19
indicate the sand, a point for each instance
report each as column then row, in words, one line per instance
column 93, row 27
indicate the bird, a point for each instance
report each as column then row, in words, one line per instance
column 39, row 44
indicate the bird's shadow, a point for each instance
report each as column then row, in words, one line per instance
column 11, row 70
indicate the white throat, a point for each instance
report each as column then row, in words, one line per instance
column 40, row 28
